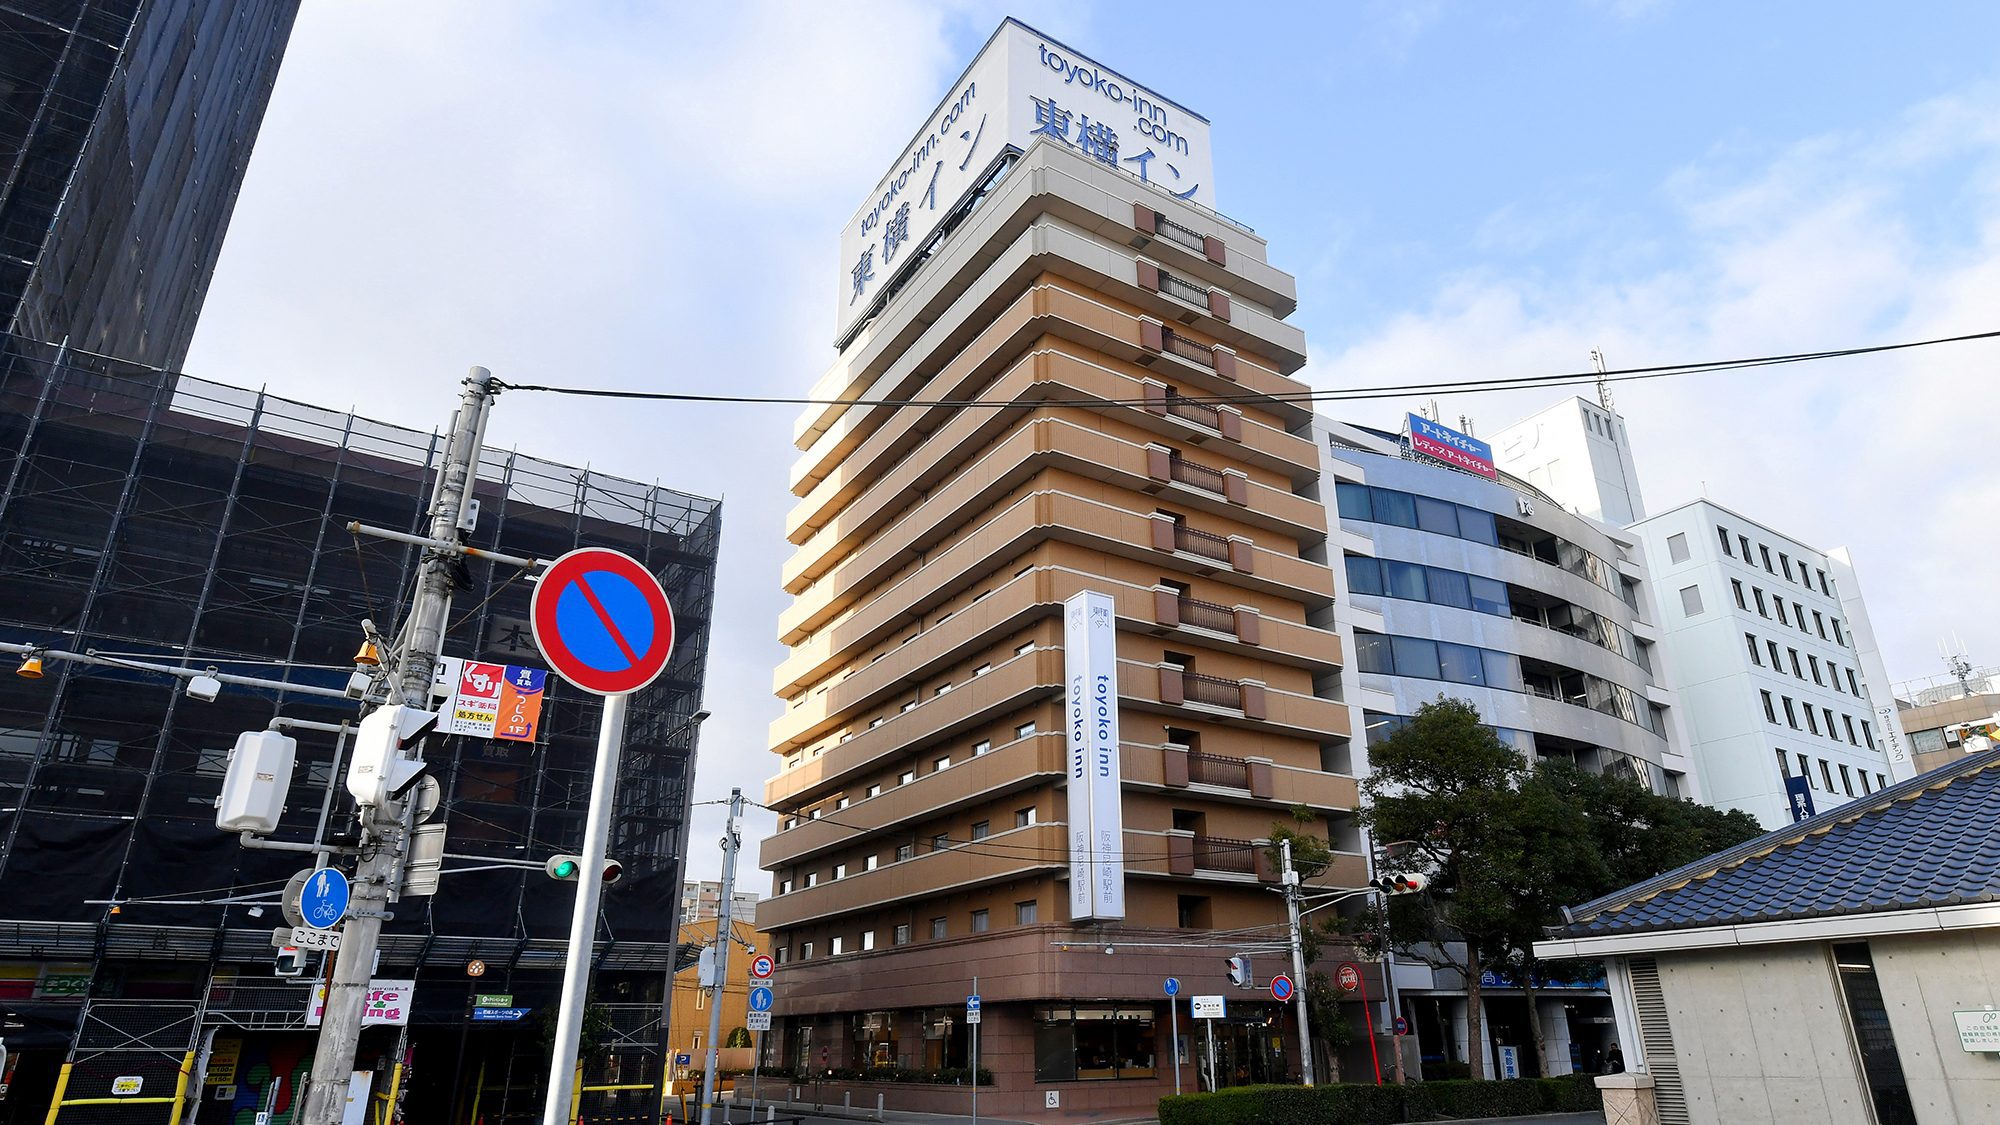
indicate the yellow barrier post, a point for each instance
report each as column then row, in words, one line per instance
column 576, row 1094
column 181, row 1088
column 62, row 1085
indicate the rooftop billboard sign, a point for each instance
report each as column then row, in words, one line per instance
column 1460, row 451
column 1023, row 87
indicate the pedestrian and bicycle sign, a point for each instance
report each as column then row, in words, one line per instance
column 602, row 621
column 323, row 900
column 1173, row 986
column 761, row 966
column 1281, row 987
column 760, row 999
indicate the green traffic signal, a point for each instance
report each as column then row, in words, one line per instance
column 565, row 870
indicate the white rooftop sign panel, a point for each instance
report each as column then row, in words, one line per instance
column 1022, row 88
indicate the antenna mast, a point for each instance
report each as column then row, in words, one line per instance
column 1603, row 384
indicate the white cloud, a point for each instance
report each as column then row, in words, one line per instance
column 1833, row 242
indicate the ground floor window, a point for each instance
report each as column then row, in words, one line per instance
column 875, row 1038
column 1078, row 1042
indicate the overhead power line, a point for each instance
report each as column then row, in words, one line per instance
column 1355, row 394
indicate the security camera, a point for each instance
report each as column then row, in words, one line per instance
column 204, row 688
column 357, row 685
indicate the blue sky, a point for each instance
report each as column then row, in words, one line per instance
column 650, row 196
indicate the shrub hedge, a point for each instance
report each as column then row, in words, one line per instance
column 1356, row 1104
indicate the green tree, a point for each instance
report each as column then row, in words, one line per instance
column 1442, row 792
column 1311, row 856
column 738, row 1038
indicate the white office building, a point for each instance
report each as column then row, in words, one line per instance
column 1578, row 452
column 1776, row 661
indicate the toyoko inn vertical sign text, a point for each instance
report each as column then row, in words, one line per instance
column 1090, row 714
column 1022, row 88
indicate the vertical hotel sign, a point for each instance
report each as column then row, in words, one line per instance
column 1096, row 816
column 1460, row 451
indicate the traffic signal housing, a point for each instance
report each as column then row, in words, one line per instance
column 1239, row 971
column 290, row 962
column 567, row 868
column 1401, row 883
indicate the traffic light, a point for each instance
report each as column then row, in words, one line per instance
column 290, row 962
column 1401, row 883
column 1239, row 971
column 566, row 868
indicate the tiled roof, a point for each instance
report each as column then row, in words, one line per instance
column 1922, row 843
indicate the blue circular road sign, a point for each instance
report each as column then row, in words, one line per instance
column 1173, row 986
column 323, row 902
column 1281, row 987
column 602, row 621
column 760, row 999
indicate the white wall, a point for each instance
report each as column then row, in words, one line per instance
column 1579, row 453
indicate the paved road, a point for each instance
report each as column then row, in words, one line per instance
column 895, row 1118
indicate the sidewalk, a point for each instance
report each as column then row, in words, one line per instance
column 837, row 1113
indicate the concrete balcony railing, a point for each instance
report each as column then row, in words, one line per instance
column 1024, row 598
column 1054, row 444
column 1257, row 779
column 850, row 504
column 1250, row 703
column 1040, row 517
column 1019, row 764
column 1013, row 853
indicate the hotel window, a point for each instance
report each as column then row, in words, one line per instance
column 905, row 851
column 911, row 705
column 1853, row 685
column 840, row 871
column 1078, row 1043
column 867, row 939
column 1691, row 601
column 1837, row 638
column 943, row 688
column 1723, row 534
column 1743, row 541
column 1846, row 781
column 1766, row 553
column 836, row 946
column 980, row 921
column 1830, row 732
column 982, row 829
column 906, row 777
column 868, row 862
column 1770, row 711
column 875, row 790
column 981, row 670
column 784, row 886
column 1812, row 721
column 1826, row 771
column 813, row 815
column 1799, row 616
column 1024, row 649
column 1782, row 619
column 805, row 951
column 1813, row 663
column 1677, row 547
column 875, row 722
column 840, row 804
column 939, row 765
column 1819, row 623
column 812, row 878
column 937, row 928
column 1777, row 662
column 1791, row 715
column 1785, row 561
column 1796, row 670
column 981, row 747
column 1027, row 913
column 784, row 954
column 1758, row 593
column 1736, row 588
column 1851, row 740
column 700, row 1001
column 941, row 842
column 900, row 935
column 1024, row 817
column 1024, row 730
column 1756, row 657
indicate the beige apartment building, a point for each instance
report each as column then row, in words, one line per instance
column 1132, row 355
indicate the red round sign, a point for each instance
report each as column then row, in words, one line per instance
column 1281, row 987
column 761, row 967
column 1348, row 978
column 602, row 621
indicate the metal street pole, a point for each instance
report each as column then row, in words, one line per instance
column 384, row 828
column 975, row 1057
column 583, row 923
column 1213, row 1084
column 724, row 933
column 1291, row 878
column 1174, row 1013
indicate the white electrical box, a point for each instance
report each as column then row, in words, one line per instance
column 258, row 780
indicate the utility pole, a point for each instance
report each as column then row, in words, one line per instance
column 1291, row 881
column 385, row 827
column 724, row 934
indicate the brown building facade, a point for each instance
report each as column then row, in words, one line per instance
column 1130, row 359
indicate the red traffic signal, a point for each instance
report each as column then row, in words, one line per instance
column 1401, row 883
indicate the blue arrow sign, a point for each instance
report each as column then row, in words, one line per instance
column 760, row 999
column 1173, row 986
column 323, row 903
column 972, row 1003
column 485, row 1015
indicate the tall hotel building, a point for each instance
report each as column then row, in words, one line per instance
column 1068, row 373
